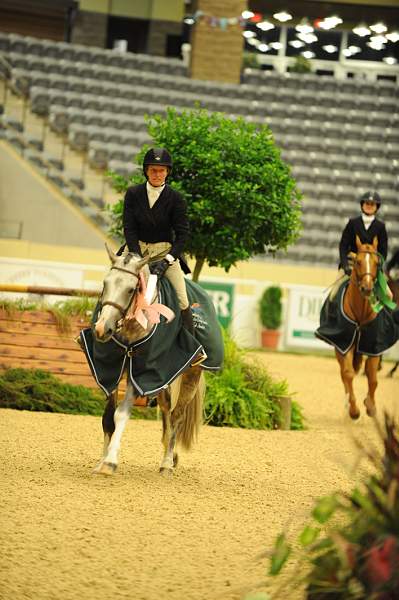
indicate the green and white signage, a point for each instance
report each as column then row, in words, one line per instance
column 222, row 295
column 303, row 314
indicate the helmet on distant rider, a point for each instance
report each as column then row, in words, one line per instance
column 159, row 157
column 371, row 196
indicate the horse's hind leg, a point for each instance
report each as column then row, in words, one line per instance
column 392, row 371
column 371, row 371
column 113, row 434
column 169, row 459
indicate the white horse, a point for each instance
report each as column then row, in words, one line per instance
column 181, row 403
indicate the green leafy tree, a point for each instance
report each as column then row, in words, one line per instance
column 242, row 199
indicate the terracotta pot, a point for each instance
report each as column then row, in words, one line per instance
column 270, row 338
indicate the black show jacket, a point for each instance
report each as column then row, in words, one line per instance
column 166, row 221
column 355, row 227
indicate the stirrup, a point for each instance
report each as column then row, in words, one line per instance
column 199, row 359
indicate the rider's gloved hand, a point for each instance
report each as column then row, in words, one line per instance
column 159, row 267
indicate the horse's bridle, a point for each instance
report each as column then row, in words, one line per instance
column 122, row 310
column 359, row 279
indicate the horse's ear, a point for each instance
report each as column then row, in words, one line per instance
column 358, row 242
column 144, row 261
column 111, row 255
column 375, row 242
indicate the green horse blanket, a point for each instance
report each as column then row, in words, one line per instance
column 337, row 329
column 153, row 362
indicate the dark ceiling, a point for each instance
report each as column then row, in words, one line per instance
column 351, row 14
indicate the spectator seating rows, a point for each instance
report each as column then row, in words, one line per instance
column 339, row 136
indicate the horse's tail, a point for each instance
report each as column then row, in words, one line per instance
column 189, row 427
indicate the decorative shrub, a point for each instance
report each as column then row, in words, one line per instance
column 245, row 395
column 270, row 307
column 37, row 390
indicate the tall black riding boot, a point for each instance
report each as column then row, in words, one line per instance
column 187, row 318
column 188, row 323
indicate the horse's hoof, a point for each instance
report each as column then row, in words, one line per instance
column 166, row 472
column 105, row 468
column 370, row 409
column 354, row 412
column 354, row 415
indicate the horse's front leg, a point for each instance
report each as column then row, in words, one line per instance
column 108, row 424
column 347, row 376
column 112, row 439
column 371, row 368
column 169, row 458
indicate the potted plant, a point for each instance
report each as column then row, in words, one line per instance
column 270, row 311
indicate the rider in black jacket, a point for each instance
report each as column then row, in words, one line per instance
column 366, row 226
column 155, row 221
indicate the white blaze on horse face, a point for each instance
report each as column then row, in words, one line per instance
column 106, row 316
column 368, row 281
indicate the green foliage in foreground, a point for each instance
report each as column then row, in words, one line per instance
column 243, row 394
column 350, row 546
column 37, row 390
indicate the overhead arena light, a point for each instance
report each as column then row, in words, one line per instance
column 330, row 49
column 361, row 30
column 308, row 38
column 296, row 44
column 351, row 51
column 265, row 25
column 308, row 54
column 390, row 60
column 247, row 14
column 304, row 27
column 376, row 46
column 283, row 16
column 393, row 36
column 249, row 34
column 378, row 39
column 263, row 48
column 330, row 22
column 378, row 28
column 276, row 45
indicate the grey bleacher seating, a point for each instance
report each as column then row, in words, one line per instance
column 338, row 136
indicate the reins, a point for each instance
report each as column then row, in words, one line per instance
column 122, row 310
column 359, row 279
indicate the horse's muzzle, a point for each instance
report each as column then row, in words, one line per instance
column 102, row 333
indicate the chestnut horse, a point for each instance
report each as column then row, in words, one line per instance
column 357, row 306
column 394, row 287
column 180, row 402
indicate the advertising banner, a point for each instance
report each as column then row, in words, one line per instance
column 303, row 312
column 222, row 295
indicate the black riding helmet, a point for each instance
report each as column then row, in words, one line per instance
column 157, row 156
column 372, row 196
